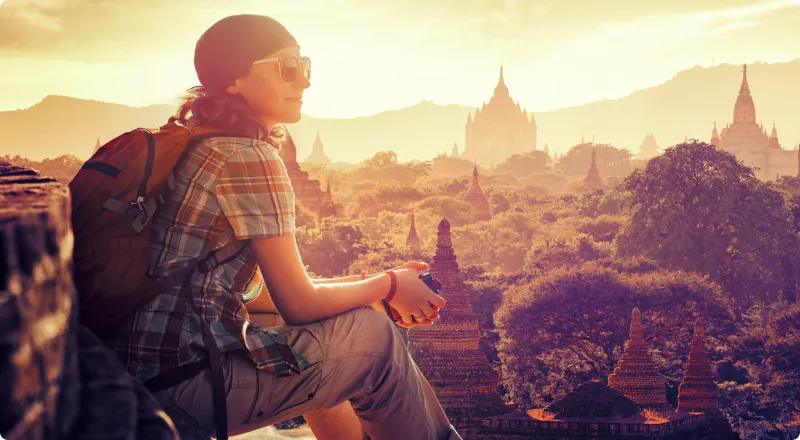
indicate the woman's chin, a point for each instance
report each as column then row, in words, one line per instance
column 291, row 117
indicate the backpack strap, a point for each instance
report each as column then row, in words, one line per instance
column 213, row 361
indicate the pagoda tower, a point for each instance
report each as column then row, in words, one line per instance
column 698, row 389
column 327, row 207
column 649, row 147
column 306, row 190
column 636, row 375
column 477, row 199
column 715, row 135
column 773, row 138
column 593, row 179
column 455, row 150
column 317, row 155
column 413, row 238
column 447, row 352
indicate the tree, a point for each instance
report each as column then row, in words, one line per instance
column 761, row 391
column 523, row 164
column 388, row 196
column 697, row 208
column 331, row 248
column 569, row 326
column 611, row 161
column 384, row 166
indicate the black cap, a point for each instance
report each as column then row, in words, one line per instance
column 229, row 47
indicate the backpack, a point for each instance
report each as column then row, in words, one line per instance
column 114, row 197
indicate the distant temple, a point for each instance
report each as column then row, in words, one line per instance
column 477, row 199
column 593, row 179
column 413, row 238
column 749, row 141
column 317, row 155
column 327, row 206
column 455, row 150
column 500, row 128
column 649, row 148
column 306, row 190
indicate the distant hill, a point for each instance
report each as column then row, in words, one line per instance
column 686, row 105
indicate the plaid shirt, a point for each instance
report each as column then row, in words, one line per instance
column 226, row 188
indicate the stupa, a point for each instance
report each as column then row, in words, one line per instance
column 413, row 238
column 636, row 375
column 317, row 155
column 593, row 179
column 447, row 353
column 698, row 389
column 476, row 197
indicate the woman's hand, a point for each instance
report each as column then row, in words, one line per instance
column 419, row 265
column 414, row 299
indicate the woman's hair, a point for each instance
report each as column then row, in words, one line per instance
column 227, row 111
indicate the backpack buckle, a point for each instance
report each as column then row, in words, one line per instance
column 139, row 202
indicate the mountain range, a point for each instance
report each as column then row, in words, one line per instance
column 687, row 105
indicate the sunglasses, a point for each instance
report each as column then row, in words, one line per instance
column 290, row 67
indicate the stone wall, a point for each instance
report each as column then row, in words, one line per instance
column 56, row 379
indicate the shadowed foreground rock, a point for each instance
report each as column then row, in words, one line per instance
column 57, row 380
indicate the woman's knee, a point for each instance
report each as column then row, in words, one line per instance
column 361, row 333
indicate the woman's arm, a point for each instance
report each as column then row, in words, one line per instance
column 298, row 299
column 347, row 279
column 264, row 304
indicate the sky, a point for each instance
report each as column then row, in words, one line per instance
column 371, row 56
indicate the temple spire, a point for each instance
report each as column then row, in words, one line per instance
column 745, row 87
column 593, row 178
column 476, row 197
column 501, row 90
column 413, row 238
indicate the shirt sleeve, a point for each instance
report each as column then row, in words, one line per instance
column 255, row 193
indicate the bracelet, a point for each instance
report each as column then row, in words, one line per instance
column 392, row 289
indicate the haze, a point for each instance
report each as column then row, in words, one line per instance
column 370, row 57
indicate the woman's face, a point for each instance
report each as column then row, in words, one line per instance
column 269, row 89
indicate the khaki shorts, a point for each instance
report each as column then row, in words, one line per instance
column 358, row 356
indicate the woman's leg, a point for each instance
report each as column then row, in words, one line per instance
column 337, row 423
column 358, row 357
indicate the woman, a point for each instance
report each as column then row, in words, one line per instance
column 338, row 362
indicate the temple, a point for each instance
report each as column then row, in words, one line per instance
column 467, row 386
column 307, row 191
column 413, row 238
column 478, row 200
column 455, row 150
column 327, row 206
column 447, row 353
column 500, row 128
column 636, row 375
column 593, row 179
column 698, row 389
column 750, row 142
column 317, row 155
column 649, row 148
